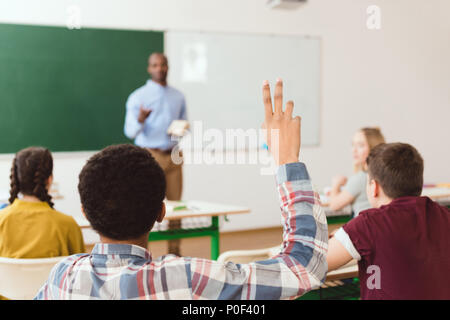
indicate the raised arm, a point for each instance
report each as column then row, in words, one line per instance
column 301, row 264
column 305, row 235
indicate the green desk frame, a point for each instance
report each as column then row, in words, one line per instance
column 211, row 231
column 338, row 219
column 348, row 291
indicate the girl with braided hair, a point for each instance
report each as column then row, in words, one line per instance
column 29, row 226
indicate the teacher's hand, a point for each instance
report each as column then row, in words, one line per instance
column 143, row 114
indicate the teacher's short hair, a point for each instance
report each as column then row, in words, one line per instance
column 122, row 189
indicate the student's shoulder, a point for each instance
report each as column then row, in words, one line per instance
column 6, row 214
column 198, row 265
column 73, row 259
column 172, row 261
column 3, row 216
column 378, row 216
column 366, row 217
column 5, row 211
column 64, row 218
column 66, row 262
column 372, row 213
column 427, row 201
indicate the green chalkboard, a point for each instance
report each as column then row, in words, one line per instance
column 66, row 89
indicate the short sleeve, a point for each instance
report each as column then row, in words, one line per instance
column 360, row 233
column 344, row 239
column 356, row 184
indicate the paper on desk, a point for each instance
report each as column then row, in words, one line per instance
column 175, row 205
column 178, row 127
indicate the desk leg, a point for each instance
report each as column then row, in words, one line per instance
column 215, row 246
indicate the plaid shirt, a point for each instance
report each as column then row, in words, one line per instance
column 120, row 271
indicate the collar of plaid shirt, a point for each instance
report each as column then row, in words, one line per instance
column 121, row 249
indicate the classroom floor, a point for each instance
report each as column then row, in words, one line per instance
column 238, row 240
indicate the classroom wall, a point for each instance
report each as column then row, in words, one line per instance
column 397, row 78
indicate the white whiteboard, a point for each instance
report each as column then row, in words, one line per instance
column 221, row 76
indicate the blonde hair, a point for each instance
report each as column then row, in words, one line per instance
column 374, row 137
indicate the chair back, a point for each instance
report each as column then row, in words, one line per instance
column 21, row 279
column 247, row 256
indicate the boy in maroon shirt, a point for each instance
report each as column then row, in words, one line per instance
column 403, row 244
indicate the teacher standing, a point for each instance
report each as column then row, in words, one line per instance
column 150, row 110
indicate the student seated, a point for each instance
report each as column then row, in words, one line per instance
column 29, row 226
column 402, row 245
column 122, row 190
column 353, row 191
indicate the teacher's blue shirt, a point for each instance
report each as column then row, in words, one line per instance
column 167, row 104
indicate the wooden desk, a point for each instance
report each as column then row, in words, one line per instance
column 194, row 209
column 440, row 195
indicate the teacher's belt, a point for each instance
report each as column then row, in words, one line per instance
column 167, row 152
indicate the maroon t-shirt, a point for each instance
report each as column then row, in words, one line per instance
column 404, row 248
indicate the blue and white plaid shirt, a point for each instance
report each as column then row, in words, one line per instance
column 119, row 271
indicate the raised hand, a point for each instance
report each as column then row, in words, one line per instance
column 283, row 131
column 143, row 114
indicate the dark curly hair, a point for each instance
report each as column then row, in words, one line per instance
column 30, row 171
column 122, row 189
